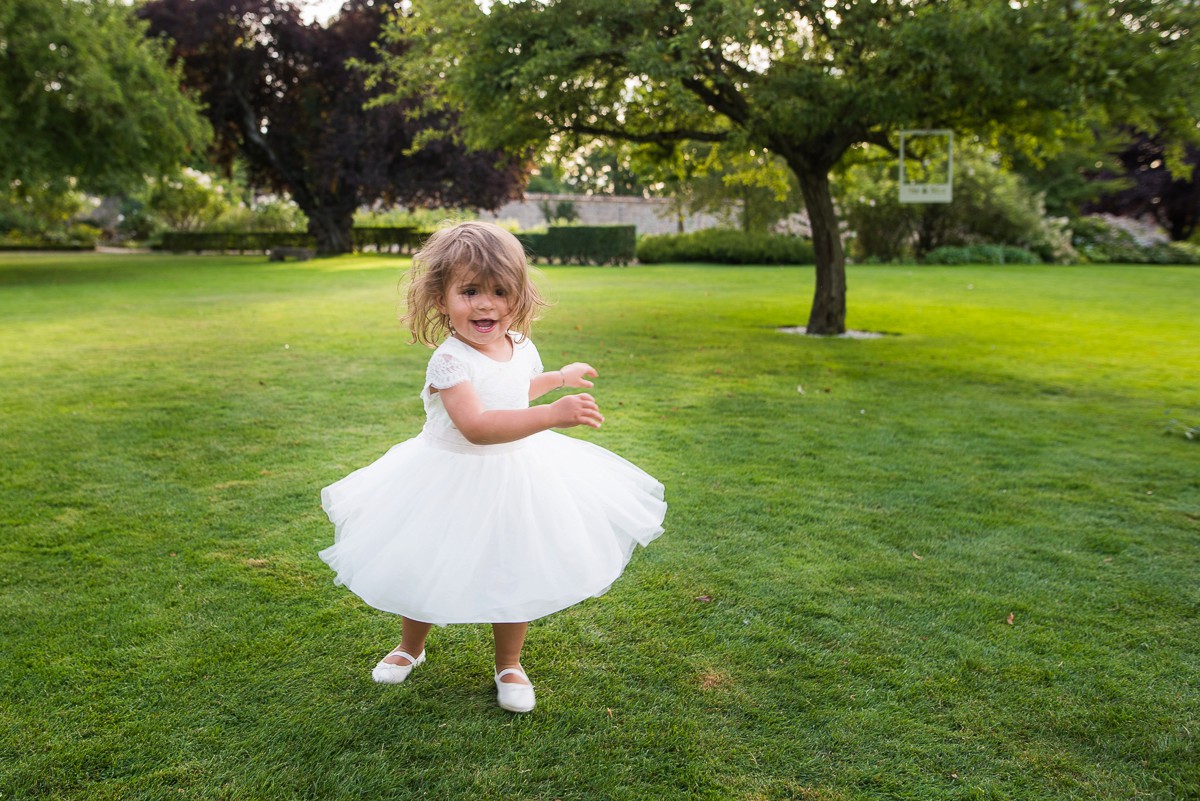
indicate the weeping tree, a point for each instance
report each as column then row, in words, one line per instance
column 285, row 97
column 805, row 81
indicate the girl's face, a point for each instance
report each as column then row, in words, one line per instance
column 479, row 314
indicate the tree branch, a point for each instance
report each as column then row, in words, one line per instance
column 732, row 107
column 657, row 137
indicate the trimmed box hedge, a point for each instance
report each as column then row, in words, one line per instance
column 403, row 239
column 724, row 246
column 8, row 247
column 236, row 241
column 582, row 244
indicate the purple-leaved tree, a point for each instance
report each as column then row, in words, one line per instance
column 285, row 97
column 1165, row 190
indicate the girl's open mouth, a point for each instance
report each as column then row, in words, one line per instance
column 483, row 326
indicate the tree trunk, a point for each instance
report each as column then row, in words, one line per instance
column 828, row 315
column 332, row 230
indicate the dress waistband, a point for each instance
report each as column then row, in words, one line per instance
column 467, row 447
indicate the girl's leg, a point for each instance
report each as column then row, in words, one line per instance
column 510, row 638
column 412, row 640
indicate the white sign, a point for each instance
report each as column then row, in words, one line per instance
column 927, row 170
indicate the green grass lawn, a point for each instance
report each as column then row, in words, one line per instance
column 959, row 561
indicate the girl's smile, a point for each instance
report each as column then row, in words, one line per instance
column 479, row 316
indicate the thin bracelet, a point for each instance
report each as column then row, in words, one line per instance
column 562, row 378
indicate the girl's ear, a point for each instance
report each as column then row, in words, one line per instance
column 440, row 303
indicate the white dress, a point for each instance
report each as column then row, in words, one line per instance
column 444, row 531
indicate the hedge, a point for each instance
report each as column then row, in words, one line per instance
column 568, row 244
column 981, row 254
column 582, row 244
column 724, row 246
column 404, row 239
column 8, row 247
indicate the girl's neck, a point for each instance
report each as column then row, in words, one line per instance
column 501, row 351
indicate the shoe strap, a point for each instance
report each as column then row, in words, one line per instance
column 412, row 660
column 512, row 672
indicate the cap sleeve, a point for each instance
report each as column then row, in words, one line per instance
column 535, row 358
column 445, row 370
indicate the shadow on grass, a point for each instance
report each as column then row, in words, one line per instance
column 62, row 274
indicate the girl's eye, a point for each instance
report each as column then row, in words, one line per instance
column 500, row 293
column 470, row 291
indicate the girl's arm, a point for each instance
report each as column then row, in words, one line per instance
column 570, row 376
column 492, row 426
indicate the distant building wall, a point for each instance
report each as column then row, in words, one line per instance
column 651, row 215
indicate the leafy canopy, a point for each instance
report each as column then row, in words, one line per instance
column 86, row 98
column 812, row 76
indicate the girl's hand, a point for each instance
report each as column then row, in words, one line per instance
column 573, row 375
column 577, row 410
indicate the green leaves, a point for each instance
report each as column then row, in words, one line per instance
column 84, row 95
column 809, row 73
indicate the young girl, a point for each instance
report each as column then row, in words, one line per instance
column 487, row 516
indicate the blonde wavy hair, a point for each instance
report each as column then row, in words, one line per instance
column 477, row 251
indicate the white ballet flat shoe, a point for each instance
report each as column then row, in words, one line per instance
column 514, row 697
column 387, row 673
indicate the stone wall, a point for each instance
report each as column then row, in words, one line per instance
column 650, row 215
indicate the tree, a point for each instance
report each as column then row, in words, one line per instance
column 1157, row 186
column 86, row 101
column 285, row 97
column 804, row 80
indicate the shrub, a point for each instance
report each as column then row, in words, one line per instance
column 189, row 201
column 991, row 205
column 277, row 214
column 1107, row 239
column 981, row 254
column 41, row 217
column 724, row 246
column 78, row 236
column 1184, row 252
column 562, row 211
column 582, row 244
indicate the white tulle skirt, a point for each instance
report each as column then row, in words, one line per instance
column 447, row 533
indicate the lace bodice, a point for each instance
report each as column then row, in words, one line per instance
column 500, row 385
